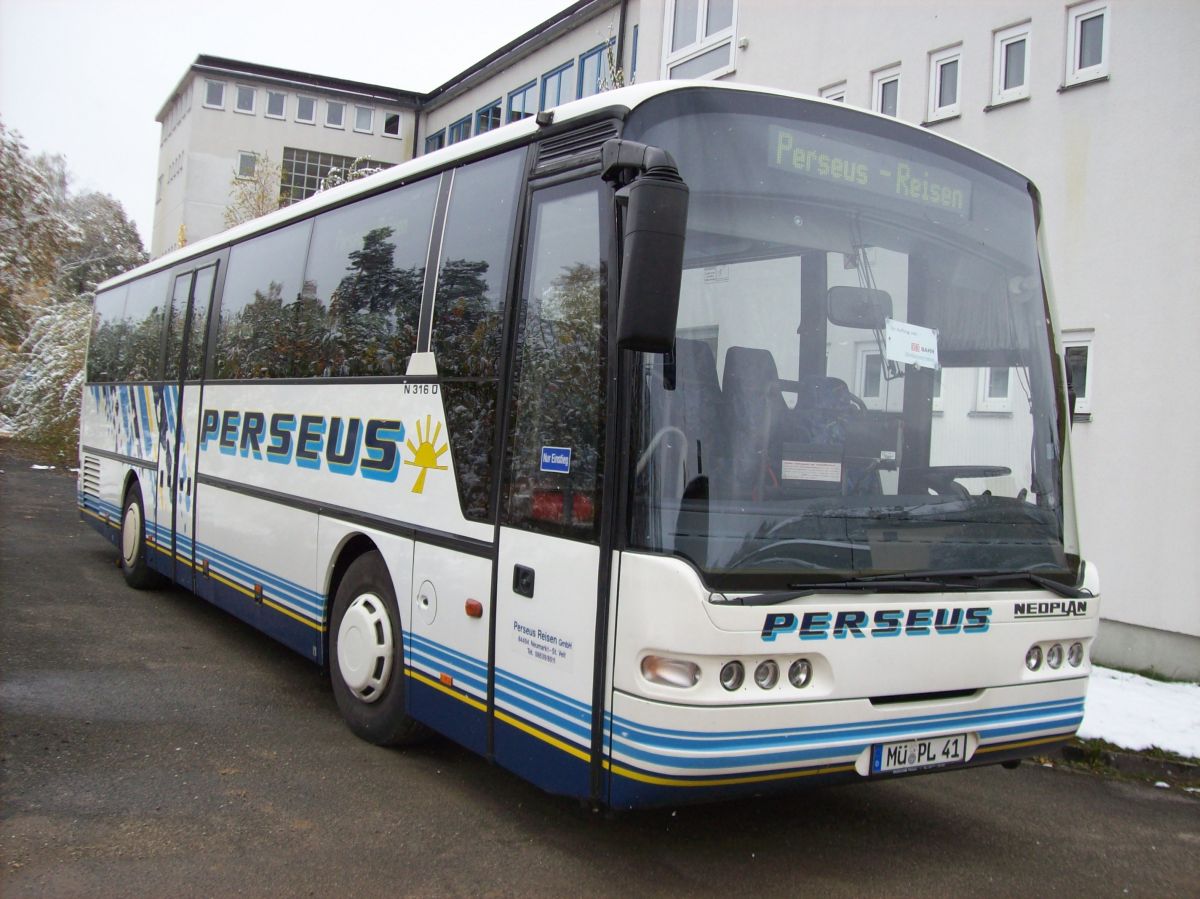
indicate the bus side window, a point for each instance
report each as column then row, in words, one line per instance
column 108, row 332
column 557, row 431
column 366, row 267
column 141, row 349
column 266, row 320
column 468, row 317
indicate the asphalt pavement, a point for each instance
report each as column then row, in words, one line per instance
column 151, row 745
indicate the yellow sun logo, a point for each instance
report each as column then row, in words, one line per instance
column 425, row 452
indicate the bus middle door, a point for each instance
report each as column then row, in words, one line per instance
column 186, row 328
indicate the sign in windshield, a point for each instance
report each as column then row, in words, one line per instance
column 837, row 162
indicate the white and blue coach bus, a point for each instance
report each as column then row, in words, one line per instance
column 684, row 442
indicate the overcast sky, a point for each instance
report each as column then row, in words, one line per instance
column 85, row 78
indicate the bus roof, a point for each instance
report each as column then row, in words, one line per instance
column 625, row 99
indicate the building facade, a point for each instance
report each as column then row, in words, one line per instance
column 226, row 118
column 1089, row 99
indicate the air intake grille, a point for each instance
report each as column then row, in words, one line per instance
column 574, row 147
column 89, row 475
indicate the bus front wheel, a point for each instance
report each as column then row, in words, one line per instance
column 134, row 566
column 366, row 649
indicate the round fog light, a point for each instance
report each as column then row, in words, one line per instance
column 1033, row 658
column 766, row 675
column 800, row 673
column 1054, row 656
column 732, row 675
column 1075, row 655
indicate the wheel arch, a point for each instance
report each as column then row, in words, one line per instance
column 352, row 547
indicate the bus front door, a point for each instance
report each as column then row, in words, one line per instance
column 548, row 555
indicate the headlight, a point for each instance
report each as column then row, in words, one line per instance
column 672, row 672
column 1033, row 658
column 800, row 673
column 732, row 675
column 766, row 675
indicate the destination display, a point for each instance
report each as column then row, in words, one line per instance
column 837, row 162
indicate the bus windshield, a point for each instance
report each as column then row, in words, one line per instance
column 863, row 383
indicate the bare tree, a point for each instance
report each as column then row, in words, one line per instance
column 253, row 195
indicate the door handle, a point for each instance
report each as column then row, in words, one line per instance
column 523, row 580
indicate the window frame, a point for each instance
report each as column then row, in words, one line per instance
column 300, row 99
column 210, row 82
column 1076, row 16
column 1082, row 337
column 498, row 106
column 597, row 51
column 458, row 126
column 242, row 155
column 879, row 78
column 438, row 138
column 834, row 93
column 984, row 401
column 329, row 107
column 386, row 117
column 370, row 110
column 267, row 108
column 560, row 72
column 1001, row 40
column 673, row 59
column 522, row 92
column 237, row 98
column 938, row 60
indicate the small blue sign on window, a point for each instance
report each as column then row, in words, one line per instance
column 556, row 459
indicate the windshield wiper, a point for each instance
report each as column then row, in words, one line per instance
column 775, row 597
column 909, row 582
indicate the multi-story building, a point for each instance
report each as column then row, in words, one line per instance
column 224, row 119
column 1087, row 98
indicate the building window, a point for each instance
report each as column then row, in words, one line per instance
column 244, row 99
column 1077, row 348
column 391, row 124
column 937, row 390
column 214, row 94
column 335, row 114
column 556, row 86
column 633, row 57
column 995, row 390
column 699, row 38
column 591, row 71
column 364, row 119
column 885, row 90
column 435, row 141
column 1087, row 42
column 304, row 170
column 247, row 162
column 488, row 117
column 870, row 374
column 306, row 110
column 943, row 83
column 1010, row 64
column 835, row 92
column 522, row 102
column 276, row 101
column 459, row 130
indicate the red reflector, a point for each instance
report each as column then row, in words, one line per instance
column 474, row 608
column 447, row 680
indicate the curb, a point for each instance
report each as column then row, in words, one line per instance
column 1134, row 764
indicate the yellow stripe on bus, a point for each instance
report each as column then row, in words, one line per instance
column 667, row 781
column 320, row 628
column 437, row 685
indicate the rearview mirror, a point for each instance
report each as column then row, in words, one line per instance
column 859, row 307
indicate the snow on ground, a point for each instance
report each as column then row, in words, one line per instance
column 1136, row 713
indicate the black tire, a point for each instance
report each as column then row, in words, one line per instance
column 366, row 663
column 134, row 566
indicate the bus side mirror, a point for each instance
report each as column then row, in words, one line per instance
column 655, row 203
column 859, row 307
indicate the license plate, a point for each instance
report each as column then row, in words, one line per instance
column 912, row 755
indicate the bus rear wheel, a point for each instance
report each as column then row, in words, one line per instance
column 366, row 655
column 134, row 565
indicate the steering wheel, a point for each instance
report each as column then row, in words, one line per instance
column 943, row 479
